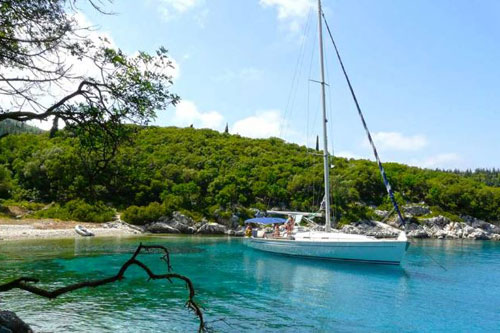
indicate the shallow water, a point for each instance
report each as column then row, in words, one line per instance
column 242, row 289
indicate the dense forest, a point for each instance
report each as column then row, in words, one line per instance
column 209, row 174
column 490, row 177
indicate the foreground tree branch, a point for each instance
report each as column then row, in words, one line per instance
column 53, row 66
column 26, row 283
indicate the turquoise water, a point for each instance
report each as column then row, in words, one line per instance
column 242, row 289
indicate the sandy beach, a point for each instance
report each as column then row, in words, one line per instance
column 11, row 229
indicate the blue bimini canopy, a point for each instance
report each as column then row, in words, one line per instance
column 266, row 220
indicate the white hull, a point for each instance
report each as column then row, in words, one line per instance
column 82, row 231
column 337, row 246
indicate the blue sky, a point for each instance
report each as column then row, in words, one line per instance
column 426, row 73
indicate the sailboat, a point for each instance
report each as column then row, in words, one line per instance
column 328, row 244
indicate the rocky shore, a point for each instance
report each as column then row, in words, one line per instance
column 52, row 229
column 181, row 224
column 417, row 226
column 436, row 227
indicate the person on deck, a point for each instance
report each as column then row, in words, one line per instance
column 290, row 223
column 248, row 230
column 276, row 230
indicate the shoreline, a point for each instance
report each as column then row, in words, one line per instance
column 32, row 229
column 40, row 229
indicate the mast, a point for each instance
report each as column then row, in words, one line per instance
column 326, row 163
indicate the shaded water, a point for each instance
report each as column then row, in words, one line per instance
column 242, row 289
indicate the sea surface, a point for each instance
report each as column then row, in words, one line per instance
column 441, row 286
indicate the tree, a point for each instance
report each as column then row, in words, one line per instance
column 41, row 40
column 5, row 182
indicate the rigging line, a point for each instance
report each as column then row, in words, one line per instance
column 295, row 79
column 387, row 215
column 429, row 256
column 335, row 192
column 313, row 49
column 291, row 89
column 307, row 113
column 330, row 109
column 313, row 158
column 316, row 114
column 413, row 242
column 382, row 171
column 307, row 133
column 292, row 106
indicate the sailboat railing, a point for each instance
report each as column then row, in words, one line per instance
column 293, row 213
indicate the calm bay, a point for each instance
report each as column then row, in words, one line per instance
column 441, row 285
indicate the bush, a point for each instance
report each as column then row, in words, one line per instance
column 26, row 205
column 6, row 184
column 11, row 208
column 435, row 211
column 79, row 210
column 144, row 214
column 354, row 212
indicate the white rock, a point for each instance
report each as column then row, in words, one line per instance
column 439, row 221
column 161, row 228
column 418, row 234
column 380, row 213
column 478, row 234
column 212, row 229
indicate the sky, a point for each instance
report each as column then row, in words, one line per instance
column 426, row 73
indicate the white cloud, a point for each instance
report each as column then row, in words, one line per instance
column 443, row 161
column 187, row 113
column 263, row 124
column 181, row 5
column 289, row 8
column 170, row 8
column 397, row 141
column 292, row 12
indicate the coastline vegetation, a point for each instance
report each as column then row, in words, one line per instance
column 204, row 173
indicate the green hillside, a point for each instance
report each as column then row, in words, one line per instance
column 206, row 173
column 9, row 126
column 488, row 177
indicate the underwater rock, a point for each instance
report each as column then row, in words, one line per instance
column 11, row 323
